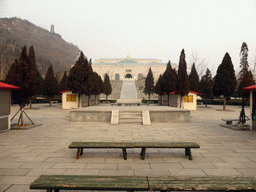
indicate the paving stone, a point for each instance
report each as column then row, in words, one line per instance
column 174, row 165
column 37, row 165
column 81, row 172
column 247, row 172
column 4, row 187
column 145, row 166
column 101, row 166
column 9, row 171
column 187, row 172
column 152, row 172
column 193, row 165
column 117, row 172
column 19, row 188
column 38, row 172
column 69, row 166
column 222, row 172
column 59, row 159
column 17, row 180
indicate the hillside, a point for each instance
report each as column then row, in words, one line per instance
column 50, row 48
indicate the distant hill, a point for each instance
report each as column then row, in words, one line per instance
column 50, row 48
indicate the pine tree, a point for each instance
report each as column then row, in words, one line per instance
column 159, row 88
column 193, row 79
column 149, row 84
column 205, row 86
column 170, row 79
column 37, row 85
column 51, row 87
column 63, row 85
column 24, row 75
column 245, row 78
column 225, row 80
column 107, row 86
column 183, row 82
column 81, row 78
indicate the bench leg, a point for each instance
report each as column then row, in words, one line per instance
column 188, row 153
column 79, row 152
column 124, row 153
column 143, row 152
column 49, row 190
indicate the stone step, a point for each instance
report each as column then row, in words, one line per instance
column 130, row 121
column 121, row 116
column 130, row 117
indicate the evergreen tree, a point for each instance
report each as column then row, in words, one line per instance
column 76, row 76
column 23, row 74
column 245, row 78
column 63, row 85
column 89, row 79
column 225, row 80
column 159, row 88
column 81, row 78
column 107, row 86
column 51, row 87
column 183, row 82
column 11, row 75
column 37, row 86
column 193, row 79
column 149, row 84
column 205, row 86
column 170, row 79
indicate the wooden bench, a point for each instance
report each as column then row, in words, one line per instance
column 143, row 183
column 81, row 145
column 229, row 121
column 81, row 182
column 184, row 183
column 186, row 145
column 143, row 145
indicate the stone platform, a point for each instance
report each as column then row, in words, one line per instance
column 103, row 112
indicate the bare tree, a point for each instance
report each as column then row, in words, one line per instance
column 200, row 63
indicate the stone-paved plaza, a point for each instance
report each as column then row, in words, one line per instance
column 27, row 154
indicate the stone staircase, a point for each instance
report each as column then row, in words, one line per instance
column 116, row 90
column 130, row 117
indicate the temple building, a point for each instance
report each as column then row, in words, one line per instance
column 129, row 68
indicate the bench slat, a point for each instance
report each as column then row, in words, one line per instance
column 202, row 183
column 101, row 145
column 133, row 145
column 166, row 145
column 81, row 182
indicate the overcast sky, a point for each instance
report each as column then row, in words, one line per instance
column 147, row 28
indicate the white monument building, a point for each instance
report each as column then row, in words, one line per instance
column 129, row 68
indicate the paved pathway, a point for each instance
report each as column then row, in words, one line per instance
column 26, row 154
column 128, row 90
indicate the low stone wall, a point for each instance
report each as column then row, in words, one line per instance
column 180, row 116
column 90, row 116
column 174, row 116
